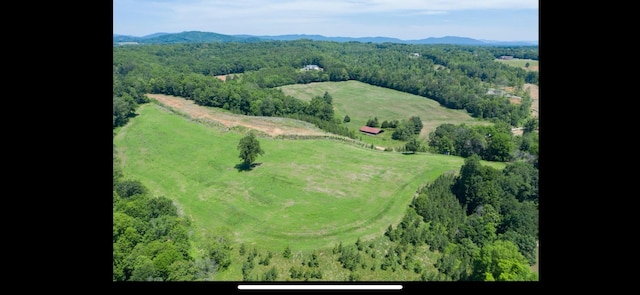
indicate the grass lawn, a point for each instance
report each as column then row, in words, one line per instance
column 307, row 193
column 521, row 63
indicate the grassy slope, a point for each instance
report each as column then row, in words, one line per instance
column 309, row 194
column 362, row 102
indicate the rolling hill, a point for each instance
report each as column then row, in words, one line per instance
column 198, row 36
column 307, row 193
column 361, row 102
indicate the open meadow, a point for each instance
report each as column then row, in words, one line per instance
column 306, row 194
column 319, row 206
column 521, row 63
column 361, row 102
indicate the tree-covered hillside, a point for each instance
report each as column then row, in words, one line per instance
column 456, row 76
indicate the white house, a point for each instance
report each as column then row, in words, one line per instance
column 312, row 67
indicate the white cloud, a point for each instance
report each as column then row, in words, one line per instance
column 214, row 9
column 350, row 18
column 449, row 5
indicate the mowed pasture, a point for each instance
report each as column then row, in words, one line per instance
column 306, row 194
column 521, row 63
column 361, row 102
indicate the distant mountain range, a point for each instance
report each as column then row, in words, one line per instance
column 197, row 36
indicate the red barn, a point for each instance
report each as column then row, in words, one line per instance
column 370, row 130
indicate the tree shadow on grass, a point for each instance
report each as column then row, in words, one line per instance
column 246, row 167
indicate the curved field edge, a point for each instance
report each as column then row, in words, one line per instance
column 309, row 194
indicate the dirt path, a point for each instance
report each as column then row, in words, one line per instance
column 535, row 105
column 270, row 125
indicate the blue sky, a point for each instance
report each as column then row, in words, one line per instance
column 499, row 20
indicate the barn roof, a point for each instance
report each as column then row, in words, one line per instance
column 371, row 130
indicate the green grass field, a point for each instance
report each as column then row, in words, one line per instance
column 519, row 62
column 307, row 193
column 362, row 102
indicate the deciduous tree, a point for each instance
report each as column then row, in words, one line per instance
column 249, row 148
column 501, row 261
column 413, row 145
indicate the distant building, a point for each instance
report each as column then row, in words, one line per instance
column 370, row 130
column 492, row 91
column 506, row 57
column 415, row 54
column 312, row 67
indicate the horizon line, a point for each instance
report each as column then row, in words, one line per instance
column 325, row 36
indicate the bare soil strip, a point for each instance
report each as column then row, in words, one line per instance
column 265, row 124
column 224, row 77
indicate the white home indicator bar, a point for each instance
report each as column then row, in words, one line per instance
column 319, row 287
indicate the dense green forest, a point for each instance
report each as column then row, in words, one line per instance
column 456, row 76
column 482, row 220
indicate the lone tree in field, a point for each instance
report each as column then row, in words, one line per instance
column 249, row 147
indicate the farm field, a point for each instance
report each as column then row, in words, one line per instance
column 309, row 194
column 521, row 63
column 362, row 102
column 532, row 88
column 318, row 206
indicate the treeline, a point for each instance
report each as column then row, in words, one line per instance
column 456, row 76
column 151, row 240
column 491, row 143
column 240, row 96
column 484, row 221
